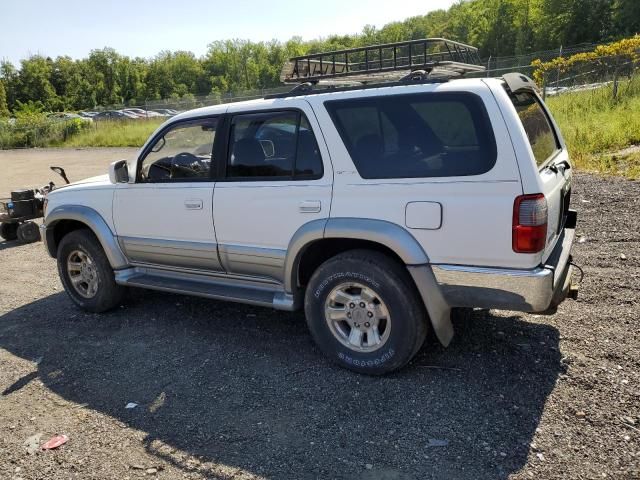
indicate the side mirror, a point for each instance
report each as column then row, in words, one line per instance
column 118, row 172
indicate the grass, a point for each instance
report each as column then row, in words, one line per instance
column 596, row 127
column 106, row 133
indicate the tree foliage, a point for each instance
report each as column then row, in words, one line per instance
column 496, row 27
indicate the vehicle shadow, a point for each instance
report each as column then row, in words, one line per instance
column 6, row 244
column 245, row 387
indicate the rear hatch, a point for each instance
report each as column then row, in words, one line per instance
column 552, row 161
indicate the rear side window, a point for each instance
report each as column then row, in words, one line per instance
column 273, row 145
column 536, row 123
column 421, row 135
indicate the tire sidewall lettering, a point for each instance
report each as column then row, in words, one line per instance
column 373, row 362
column 344, row 275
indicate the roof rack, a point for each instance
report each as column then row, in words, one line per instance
column 438, row 57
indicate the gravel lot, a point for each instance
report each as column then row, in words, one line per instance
column 226, row 391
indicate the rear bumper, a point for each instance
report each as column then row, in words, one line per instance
column 537, row 290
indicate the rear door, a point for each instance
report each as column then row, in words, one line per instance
column 551, row 159
column 277, row 178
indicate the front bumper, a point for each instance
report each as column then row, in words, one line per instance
column 537, row 290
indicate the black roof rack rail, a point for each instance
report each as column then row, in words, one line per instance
column 438, row 57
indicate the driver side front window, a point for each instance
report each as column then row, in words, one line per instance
column 182, row 153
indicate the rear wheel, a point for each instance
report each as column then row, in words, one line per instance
column 86, row 273
column 9, row 231
column 365, row 313
column 28, row 232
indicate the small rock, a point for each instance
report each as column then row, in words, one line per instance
column 540, row 456
column 32, row 444
column 582, row 240
column 151, row 471
column 137, row 467
column 623, row 256
column 368, row 466
column 581, row 414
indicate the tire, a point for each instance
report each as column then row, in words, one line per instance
column 86, row 274
column 9, row 231
column 28, row 232
column 390, row 299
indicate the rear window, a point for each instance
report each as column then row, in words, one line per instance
column 537, row 125
column 421, row 135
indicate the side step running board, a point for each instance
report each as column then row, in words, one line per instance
column 218, row 287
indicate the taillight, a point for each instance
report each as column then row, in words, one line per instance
column 529, row 223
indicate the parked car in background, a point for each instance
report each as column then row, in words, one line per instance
column 142, row 113
column 114, row 115
column 62, row 116
column 167, row 112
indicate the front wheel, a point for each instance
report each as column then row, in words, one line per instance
column 365, row 313
column 86, row 273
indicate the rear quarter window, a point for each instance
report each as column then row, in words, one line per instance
column 537, row 125
column 416, row 135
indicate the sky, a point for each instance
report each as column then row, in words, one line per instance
column 146, row 27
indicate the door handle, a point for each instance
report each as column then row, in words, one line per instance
column 310, row 206
column 193, row 204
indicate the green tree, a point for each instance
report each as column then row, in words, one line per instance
column 4, row 108
column 34, row 83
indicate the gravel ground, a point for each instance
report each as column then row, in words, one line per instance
column 227, row 391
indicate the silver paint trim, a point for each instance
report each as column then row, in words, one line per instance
column 176, row 253
column 391, row 235
column 304, row 236
column 218, row 288
column 508, row 289
column 522, row 290
column 437, row 307
column 249, row 260
column 95, row 222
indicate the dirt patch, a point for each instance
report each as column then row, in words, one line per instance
column 29, row 168
column 229, row 391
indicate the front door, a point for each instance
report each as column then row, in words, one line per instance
column 165, row 218
column 275, row 182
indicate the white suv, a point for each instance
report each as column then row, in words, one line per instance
column 378, row 209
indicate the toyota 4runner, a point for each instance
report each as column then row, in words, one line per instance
column 376, row 207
